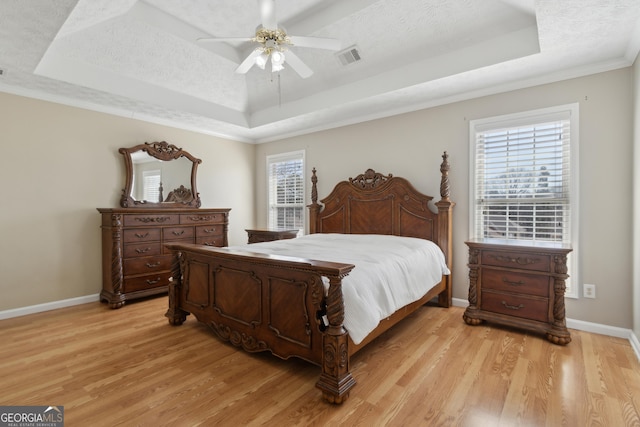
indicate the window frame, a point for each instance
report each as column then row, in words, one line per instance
column 525, row 118
column 279, row 158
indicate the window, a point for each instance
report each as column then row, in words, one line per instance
column 523, row 178
column 286, row 191
column 151, row 185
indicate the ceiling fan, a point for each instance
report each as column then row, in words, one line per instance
column 273, row 44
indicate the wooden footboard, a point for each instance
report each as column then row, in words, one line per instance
column 267, row 303
column 278, row 304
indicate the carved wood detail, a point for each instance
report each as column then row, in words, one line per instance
column 164, row 151
column 135, row 263
column 398, row 208
column 519, row 286
column 369, row 179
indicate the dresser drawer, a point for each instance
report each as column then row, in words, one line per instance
column 195, row 218
column 151, row 219
column 521, row 260
column 142, row 249
column 209, row 230
column 134, row 240
column 211, row 241
column 167, row 251
column 177, row 233
column 523, row 306
column 146, row 265
column 523, row 283
column 133, row 235
column 150, row 281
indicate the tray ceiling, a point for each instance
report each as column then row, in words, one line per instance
column 141, row 59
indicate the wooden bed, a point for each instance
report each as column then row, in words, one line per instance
column 274, row 303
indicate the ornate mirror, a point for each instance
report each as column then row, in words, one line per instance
column 159, row 175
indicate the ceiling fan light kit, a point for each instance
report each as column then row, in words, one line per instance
column 273, row 42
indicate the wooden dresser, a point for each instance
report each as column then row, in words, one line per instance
column 257, row 236
column 518, row 285
column 135, row 262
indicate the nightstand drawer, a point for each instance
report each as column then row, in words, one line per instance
column 510, row 281
column 516, row 305
column 522, row 260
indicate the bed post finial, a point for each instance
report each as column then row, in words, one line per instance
column 314, row 187
column 444, row 181
column 445, row 225
column 314, row 207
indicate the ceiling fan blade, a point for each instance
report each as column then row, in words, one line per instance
column 248, row 62
column 223, row 39
column 316, row 42
column 268, row 14
column 297, row 65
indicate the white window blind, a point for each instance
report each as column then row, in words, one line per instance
column 151, row 185
column 523, row 178
column 286, row 191
column 523, row 183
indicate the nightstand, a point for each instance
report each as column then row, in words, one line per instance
column 257, row 236
column 519, row 285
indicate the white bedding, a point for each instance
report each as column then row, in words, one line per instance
column 390, row 271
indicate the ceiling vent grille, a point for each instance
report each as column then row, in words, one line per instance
column 349, row 55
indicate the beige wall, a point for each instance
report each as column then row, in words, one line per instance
column 410, row 145
column 59, row 164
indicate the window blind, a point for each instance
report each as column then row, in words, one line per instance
column 286, row 191
column 522, row 176
column 151, row 185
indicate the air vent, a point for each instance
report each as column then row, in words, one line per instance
column 349, row 55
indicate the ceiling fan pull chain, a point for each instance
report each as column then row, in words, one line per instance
column 279, row 92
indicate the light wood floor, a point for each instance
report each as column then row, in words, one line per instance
column 130, row 367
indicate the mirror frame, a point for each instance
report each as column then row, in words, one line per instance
column 162, row 151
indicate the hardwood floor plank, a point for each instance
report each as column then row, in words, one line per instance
column 129, row 367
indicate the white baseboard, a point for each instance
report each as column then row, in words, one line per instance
column 595, row 328
column 635, row 344
column 23, row 311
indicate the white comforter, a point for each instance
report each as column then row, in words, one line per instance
column 390, row 271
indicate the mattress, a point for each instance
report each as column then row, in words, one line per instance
column 390, row 271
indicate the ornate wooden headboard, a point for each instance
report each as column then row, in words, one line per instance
column 373, row 203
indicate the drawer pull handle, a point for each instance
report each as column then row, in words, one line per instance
column 141, row 251
column 154, row 265
column 512, row 283
column 513, row 307
column 518, row 260
column 153, row 282
column 141, row 236
column 209, row 230
column 153, row 219
column 210, row 243
column 202, row 218
column 178, row 233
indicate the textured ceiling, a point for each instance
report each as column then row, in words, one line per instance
column 141, row 58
